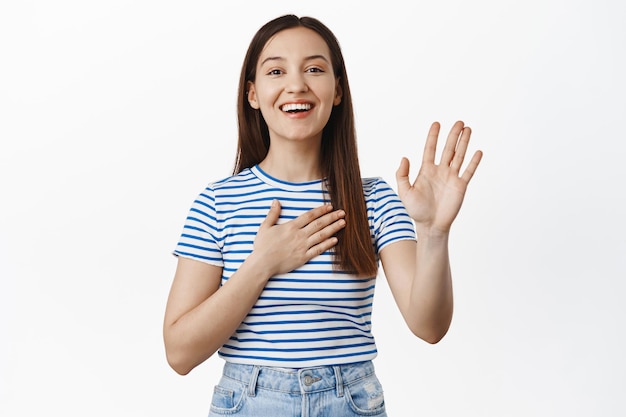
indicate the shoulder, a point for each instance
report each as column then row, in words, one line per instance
column 214, row 189
column 382, row 199
column 370, row 183
column 229, row 185
column 389, row 220
column 376, row 187
column 233, row 181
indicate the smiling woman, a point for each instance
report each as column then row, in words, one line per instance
column 334, row 158
column 295, row 76
column 277, row 263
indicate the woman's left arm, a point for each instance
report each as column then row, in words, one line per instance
column 419, row 272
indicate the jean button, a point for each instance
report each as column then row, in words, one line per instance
column 309, row 380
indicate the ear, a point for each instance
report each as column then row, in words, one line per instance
column 338, row 93
column 252, row 95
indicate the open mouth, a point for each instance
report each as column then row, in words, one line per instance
column 296, row 107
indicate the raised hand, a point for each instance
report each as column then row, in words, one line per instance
column 288, row 246
column 435, row 197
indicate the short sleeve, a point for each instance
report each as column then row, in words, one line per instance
column 389, row 218
column 199, row 239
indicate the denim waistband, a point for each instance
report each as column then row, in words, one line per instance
column 298, row 380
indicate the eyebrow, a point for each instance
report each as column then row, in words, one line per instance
column 280, row 58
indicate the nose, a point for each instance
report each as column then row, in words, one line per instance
column 296, row 83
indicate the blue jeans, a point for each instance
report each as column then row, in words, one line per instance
column 324, row 391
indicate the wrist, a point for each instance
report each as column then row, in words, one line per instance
column 255, row 262
column 432, row 233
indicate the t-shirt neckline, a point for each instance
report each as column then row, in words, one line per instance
column 285, row 185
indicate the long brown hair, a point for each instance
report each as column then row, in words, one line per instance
column 340, row 165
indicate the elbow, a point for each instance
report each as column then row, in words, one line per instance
column 431, row 328
column 433, row 338
column 177, row 363
column 183, row 359
column 432, row 335
column 178, row 357
column 175, row 358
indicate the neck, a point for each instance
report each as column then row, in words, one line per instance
column 302, row 165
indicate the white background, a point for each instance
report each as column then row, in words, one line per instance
column 114, row 115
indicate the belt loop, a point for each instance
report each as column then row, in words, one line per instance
column 338, row 381
column 253, row 379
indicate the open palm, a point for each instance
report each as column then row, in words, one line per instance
column 436, row 196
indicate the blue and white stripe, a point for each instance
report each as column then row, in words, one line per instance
column 310, row 316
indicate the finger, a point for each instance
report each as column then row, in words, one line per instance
column 326, row 233
column 305, row 219
column 451, row 142
column 402, row 175
column 272, row 216
column 461, row 149
column 321, row 247
column 471, row 167
column 321, row 223
column 430, row 148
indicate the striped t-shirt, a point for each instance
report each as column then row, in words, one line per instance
column 313, row 315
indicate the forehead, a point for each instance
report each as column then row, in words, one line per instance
column 295, row 43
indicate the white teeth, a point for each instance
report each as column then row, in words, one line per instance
column 296, row 106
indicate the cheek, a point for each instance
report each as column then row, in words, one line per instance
column 265, row 92
column 331, row 92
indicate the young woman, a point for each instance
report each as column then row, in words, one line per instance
column 277, row 263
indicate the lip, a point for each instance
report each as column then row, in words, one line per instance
column 297, row 115
column 296, row 102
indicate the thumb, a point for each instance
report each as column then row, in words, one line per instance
column 272, row 215
column 402, row 175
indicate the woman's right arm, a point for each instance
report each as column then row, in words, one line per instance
column 200, row 315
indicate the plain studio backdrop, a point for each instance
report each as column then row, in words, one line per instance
column 114, row 116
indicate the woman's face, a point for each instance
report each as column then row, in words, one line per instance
column 295, row 87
